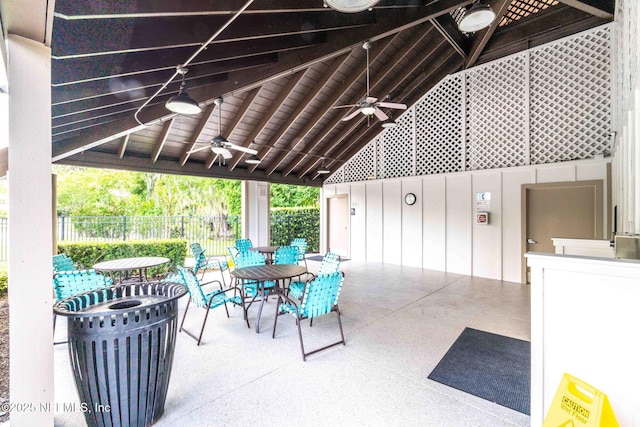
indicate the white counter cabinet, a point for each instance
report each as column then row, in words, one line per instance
column 585, row 320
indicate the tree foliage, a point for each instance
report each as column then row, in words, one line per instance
column 103, row 192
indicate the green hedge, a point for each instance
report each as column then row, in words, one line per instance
column 86, row 254
column 289, row 223
column 4, row 279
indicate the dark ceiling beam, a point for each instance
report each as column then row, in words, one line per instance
column 397, row 57
column 439, row 53
column 447, row 27
column 162, row 139
column 237, row 118
column 266, row 118
column 600, row 8
column 302, row 134
column 120, row 64
column 197, row 134
column 302, row 105
column 422, row 85
column 535, row 30
column 394, row 22
column 96, row 159
column 106, row 9
column 481, row 39
column 132, row 35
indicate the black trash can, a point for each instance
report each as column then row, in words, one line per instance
column 121, row 346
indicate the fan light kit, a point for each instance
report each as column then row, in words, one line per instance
column 181, row 103
column 477, row 17
column 350, row 6
column 219, row 145
column 368, row 105
column 389, row 123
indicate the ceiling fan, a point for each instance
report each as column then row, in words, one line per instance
column 219, row 144
column 368, row 105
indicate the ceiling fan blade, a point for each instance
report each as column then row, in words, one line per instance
column 392, row 105
column 380, row 114
column 370, row 100
column 241, row 148
column 351, row 116
column 195, row 150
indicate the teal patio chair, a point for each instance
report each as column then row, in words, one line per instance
column 203, row 264
column 243, row 245
column 68, row 283
column 286, row 255
column 330, row 264
column 302, row 244
column 207, row 301
column 320, row 297
column 63, row 262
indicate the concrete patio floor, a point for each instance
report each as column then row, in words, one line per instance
column 398, row 323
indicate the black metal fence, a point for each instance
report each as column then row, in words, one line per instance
column 214, row 233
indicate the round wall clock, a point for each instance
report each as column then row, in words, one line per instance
column 409, row 198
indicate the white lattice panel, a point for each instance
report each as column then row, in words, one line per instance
column 361, row 166
column 570, row 98
column 398, row 148
column 440, row 119
column 496, row 114
column 336, row 178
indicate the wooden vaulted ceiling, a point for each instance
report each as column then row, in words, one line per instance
column 281, row 67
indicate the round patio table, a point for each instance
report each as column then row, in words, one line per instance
column 263, row 273
column 268, row 251
column 123, row 266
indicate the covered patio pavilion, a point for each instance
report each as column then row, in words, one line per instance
column 548, row 95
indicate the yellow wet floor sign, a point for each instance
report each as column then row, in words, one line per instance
column 578, row 404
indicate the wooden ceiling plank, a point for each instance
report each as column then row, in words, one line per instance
column 500, row 7
column 162, row 139
column 302, row 105
column 197, row 134
column 237, row 117
column 398, row 56
column 447, row 27
column 433, row 59
column 600, row 8
column 266, row 118
column 123, row 145
column 389, row 87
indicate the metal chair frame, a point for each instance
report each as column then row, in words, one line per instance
column 320, row 297
column 330, row 264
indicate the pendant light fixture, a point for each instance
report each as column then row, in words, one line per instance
column 323, row 169
column 253, row 160
column 477, row 17
column 182, row 103
column 350, row 6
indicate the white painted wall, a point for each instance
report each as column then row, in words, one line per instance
column 255, row 212
column 439, row 231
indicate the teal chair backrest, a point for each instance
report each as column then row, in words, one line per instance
column 330, row 263
column 321, row 295
column 69, row 283
column 62, row 262
column 286, row 255
column 195, row 290
column 249, row 259
column 199, row 256
column 301, row 244
column 243, row 245
column 233, row 252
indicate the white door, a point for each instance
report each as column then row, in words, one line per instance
column 338, row 225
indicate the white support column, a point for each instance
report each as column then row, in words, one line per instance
column 255, row 212
column 30, row 231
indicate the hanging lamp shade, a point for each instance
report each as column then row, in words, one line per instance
column 389, row 123
column 351, row 6
column 477, row 17
column 253, row 160
column 182, row 104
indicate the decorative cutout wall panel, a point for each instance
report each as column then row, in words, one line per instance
column 549, row 104
column 398, row 150
column 571, row 99
column 360, row 167
column 497, row 114
column 440, row 119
